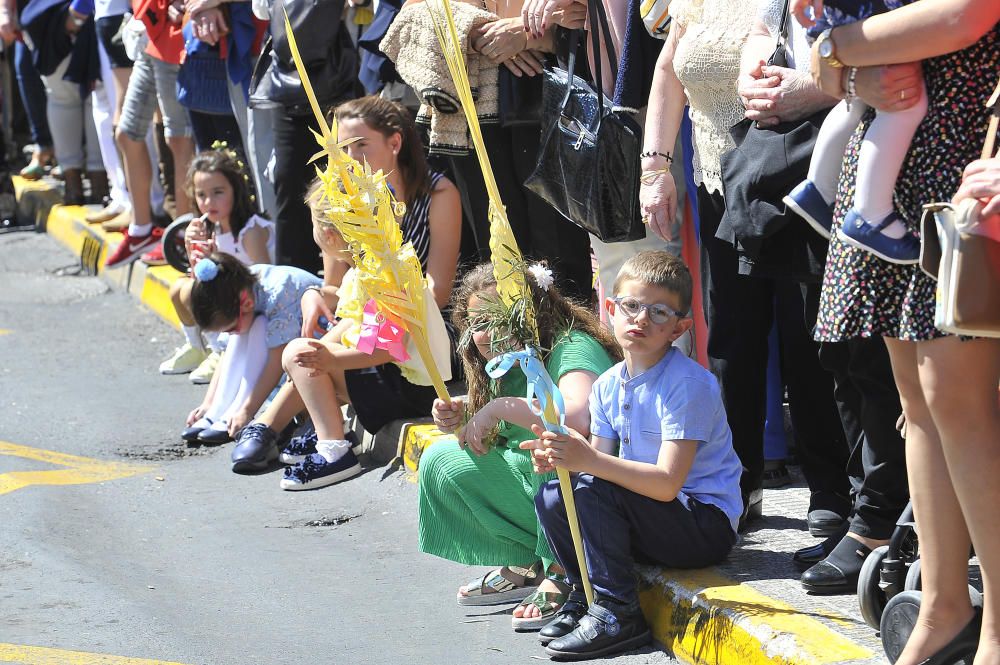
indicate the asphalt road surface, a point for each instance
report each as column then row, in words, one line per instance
column 161, row 553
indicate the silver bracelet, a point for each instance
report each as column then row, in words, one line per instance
column 852, row 75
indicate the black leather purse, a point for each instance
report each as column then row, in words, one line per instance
column 588, row 161
column 766, row 165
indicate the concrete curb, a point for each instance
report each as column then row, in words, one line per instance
column 704, row 617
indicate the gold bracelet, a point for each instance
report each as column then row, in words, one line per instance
column 649, row 177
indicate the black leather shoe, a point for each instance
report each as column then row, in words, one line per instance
column 607, row 628
column 214, row 437
column 838, row 572
column 566, row 619
column 190, row 434
column 808, row 557
column 827, row 513
column 753, row 507
column 256, row 449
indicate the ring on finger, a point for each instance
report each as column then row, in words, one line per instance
column 902, row 95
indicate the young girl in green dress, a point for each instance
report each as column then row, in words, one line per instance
column 477, row 495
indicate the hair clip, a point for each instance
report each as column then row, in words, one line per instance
column 206, row 270
column 542, row 274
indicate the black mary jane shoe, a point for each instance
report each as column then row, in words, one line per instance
column 566, row 619
column 214, row 437
column 807, row 557
column 838, row 572
column 607, row 628
column 190, row 434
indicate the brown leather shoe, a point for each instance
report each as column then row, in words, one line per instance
column 106, row 213
column 118, row 224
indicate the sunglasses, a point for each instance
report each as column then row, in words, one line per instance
column 658, row 313
column 235, row 328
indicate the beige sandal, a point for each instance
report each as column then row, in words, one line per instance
column 504, row 585
column 547, row 602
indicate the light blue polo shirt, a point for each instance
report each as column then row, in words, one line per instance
column 675, row 399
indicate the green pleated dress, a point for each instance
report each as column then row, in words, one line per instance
column 480, row 510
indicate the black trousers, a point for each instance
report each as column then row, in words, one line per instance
column 739, row 311
column 869, row 407
column 540, row 231
column 620, row 527
column 294, row 144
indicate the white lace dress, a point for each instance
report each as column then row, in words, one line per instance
column 707, row 62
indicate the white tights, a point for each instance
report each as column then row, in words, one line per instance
column 240, row 369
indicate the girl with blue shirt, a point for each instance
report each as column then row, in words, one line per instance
column 259, row 307
column 669, row 495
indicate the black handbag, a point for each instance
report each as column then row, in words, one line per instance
column 520, row 101
column 767, row 163
column 588, row 161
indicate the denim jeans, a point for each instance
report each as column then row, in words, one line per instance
column 29, row 82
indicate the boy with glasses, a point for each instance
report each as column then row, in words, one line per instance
column 670, row 495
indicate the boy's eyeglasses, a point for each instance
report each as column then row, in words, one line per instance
column 657, row 312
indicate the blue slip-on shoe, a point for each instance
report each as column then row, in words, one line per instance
column 256, row 448
column 809, row 204
column 190, row 434
column 303, row 444
column 869, row 237
column 216, row 434
column 314, row 472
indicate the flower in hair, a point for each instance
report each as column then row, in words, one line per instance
column 206, row 270
column 542, row 274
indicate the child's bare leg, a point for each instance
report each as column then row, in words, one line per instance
column 286, row 405
column 319, row 393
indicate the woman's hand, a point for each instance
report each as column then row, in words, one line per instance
column 658, row 199
column 570, row 451
column 313, row 308
column 981, row 180
column 500, row 40
column 537, row 16
column 318, row 358
column 890, row 87
column 526, row 63
column 448, row 415
column 474, row 433
column 209, row 26
column 773, row 95
column 196, row 415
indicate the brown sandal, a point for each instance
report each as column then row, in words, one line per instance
column 504, row 585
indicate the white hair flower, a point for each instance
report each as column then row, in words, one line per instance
column 543, row 276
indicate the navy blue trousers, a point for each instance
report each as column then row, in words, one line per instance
column 621, row 527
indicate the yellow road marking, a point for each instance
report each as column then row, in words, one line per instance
column 78, row 471
column 16, row 653
column 4, row 331
column 707, row 618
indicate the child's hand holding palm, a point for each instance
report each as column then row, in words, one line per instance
column 570, row 451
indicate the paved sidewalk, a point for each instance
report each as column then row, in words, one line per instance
column 750, row 610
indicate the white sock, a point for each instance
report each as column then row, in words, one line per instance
column 193, row 337
column 139, row 231
column 213, row 342
column 332, row 449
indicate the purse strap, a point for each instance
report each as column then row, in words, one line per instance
column 782, row 45
column 598, row 21
column 993, row 104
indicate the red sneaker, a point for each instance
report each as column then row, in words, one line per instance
column 132, row 247
column 154, row 257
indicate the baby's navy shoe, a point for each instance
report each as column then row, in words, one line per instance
column 806, row 200
column 864, row 235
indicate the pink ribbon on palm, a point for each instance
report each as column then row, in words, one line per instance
column 381, row 332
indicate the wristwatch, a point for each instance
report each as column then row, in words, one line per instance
column 827, row 49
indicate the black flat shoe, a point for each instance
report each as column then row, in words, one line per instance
column 566, row 619
column 838, row 572
column 753, row 507
column 190, row 434
column 827, row 513
column 607, row 628
column 214, row 437
column 807, row 557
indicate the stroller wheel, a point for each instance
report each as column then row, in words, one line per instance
column 871, row 598
column 173, row 243
column 912, row 582
column 898, row 619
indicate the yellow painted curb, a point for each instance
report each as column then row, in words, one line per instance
column 29, row 655
column 415, row 439
column 709, row 619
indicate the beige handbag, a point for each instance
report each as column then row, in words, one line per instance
column 961, row 249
